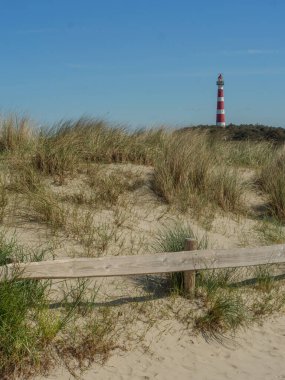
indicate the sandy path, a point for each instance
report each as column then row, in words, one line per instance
column 257, row 353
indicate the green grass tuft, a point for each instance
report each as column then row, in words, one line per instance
column 227, row 312
column 172, row 239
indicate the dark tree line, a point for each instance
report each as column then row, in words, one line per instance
column 252, row 132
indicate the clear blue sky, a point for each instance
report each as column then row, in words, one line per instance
column 143, row 62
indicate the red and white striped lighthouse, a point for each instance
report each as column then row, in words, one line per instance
column 220, row 119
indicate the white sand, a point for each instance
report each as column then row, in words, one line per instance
column 257, row 353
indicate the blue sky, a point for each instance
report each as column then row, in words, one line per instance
column 143, row 62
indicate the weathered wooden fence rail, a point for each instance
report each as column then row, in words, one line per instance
column 146, row 264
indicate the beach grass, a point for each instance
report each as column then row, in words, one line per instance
column 100, row 189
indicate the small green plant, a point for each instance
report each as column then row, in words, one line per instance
column 226, row 312
column 33, row 335
column 44, row 207
column 210, row 282
column 267, row 302
column 172, row 239
column 19, row 300
column 95, row 237
column 91, row 340
column 270, row 231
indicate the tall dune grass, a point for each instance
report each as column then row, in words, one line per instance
column 272, row 182
column 182, row 167
column 92, row 140
column 247, row 154
column 190, row 168
column 16, row 134
column 187, row 168
column 226, row 189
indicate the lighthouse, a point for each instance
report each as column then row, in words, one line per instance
column 220, row 119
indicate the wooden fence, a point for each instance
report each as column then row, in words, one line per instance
column 187, row 261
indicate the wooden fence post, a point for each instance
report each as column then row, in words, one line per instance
column 189, row 276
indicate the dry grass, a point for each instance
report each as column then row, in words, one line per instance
column 187, row 171
column 181, row 168
column 44, row 207
column 272, row 182
column 108, row 186
column 187, row 166
column 3, row 199
column 226, row 189
column 228, row 299
column 16, row 135
column 245, row 153
column 224, row 313
column 270, row 231
column 191, row 173
column 34, row 337
column 60, row 149
column 58, row 153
